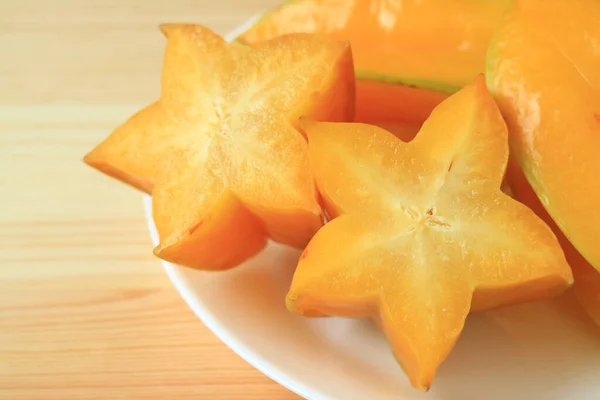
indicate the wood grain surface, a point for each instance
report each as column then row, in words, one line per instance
column 86, row 311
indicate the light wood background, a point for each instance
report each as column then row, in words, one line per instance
column 85, row 309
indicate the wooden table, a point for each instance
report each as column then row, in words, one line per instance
column 85, row 309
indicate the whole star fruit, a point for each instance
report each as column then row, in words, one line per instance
column 586, row 288
column 421, row 233
column 220, row 151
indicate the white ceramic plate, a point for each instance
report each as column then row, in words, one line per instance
column 528, row 352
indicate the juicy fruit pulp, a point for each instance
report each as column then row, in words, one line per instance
column 544, row 71
column 434, row 44
column 383, row 104
column 421, row 232
column 220, row 151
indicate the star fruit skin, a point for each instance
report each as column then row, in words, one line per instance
column 419, row 270
column 207, row 220
column 543, row 69
column 586, row 288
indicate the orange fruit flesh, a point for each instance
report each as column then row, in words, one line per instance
column 421, row 232
column 544, row 70
column 385, row 103
column 436, row 44
column 134, row 152
column 219, row 151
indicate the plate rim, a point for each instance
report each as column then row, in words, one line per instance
column 224, row 334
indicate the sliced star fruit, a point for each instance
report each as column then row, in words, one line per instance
column 220, row 150
column 421, row 232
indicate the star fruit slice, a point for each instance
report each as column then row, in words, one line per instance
column 220, row 151
column 421, row 232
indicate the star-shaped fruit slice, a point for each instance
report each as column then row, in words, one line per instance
column 220, row 151
column 421, row 233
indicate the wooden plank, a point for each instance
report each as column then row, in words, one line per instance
column 86, row 311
